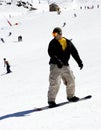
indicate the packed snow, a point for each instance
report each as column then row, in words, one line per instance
column 25, row 89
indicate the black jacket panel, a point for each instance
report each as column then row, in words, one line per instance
column 58, row 55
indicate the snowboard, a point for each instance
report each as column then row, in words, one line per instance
column 62, row 103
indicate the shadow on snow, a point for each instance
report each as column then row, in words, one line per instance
column 26, row 112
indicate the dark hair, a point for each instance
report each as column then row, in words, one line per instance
column 57, row 30
column 4, row 58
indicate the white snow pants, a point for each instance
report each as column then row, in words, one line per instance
column 55, row 79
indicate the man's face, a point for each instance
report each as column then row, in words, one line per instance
column 57, row 36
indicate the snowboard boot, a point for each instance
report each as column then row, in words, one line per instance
column 51, row 104
column 73, row 99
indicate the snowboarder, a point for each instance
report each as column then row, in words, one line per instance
column 59, row 50
column 6, row 63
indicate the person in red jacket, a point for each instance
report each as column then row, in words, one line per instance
column 60, row 49
column 7, row 65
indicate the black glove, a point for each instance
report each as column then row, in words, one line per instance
column 60, row 65
column 59, row 62
column 81, row 66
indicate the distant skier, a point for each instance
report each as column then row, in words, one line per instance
column 64, row 24
column 98, row 6
column 59, row 51
column 9, row 34
column 7, row 65
column 19, row 38
column 75, row 15
column 2, row 40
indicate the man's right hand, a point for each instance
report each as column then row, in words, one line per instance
column 60, row 65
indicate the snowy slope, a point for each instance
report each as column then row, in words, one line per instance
column 26, row 87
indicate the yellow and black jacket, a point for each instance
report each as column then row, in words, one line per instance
column 59, row 55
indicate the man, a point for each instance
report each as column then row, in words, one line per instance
column 59, row 51
column 6, row 63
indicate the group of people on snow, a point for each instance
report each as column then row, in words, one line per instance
column 19, row 38
column 90, row 6
column 2, row 39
